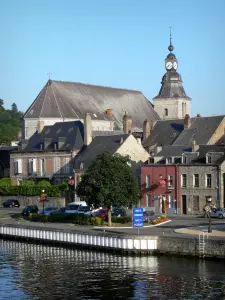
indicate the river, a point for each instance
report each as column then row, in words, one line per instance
column 31, row 271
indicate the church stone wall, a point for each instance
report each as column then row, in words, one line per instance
column 173, row 106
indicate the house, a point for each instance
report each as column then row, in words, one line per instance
column 124, row 143
column 61, row 101
column 159, row 183
column 48, row 154
column 5, row 160
column 198, row 172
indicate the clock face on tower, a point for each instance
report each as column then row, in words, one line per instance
column 169, row 65
column 175, row 65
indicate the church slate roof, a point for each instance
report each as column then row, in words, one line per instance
column 200, row 130
column 171, row 87
column 164, row 133
column 99, row 145
column 61, row 99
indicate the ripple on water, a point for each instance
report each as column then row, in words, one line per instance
column 39, row 272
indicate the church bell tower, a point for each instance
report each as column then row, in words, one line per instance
column 172, row 101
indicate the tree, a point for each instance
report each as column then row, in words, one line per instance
column 10, row 123
column 14, row 108
column 109, row 182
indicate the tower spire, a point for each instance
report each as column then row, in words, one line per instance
column 170, row 46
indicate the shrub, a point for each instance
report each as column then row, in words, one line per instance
column 97, row 221
column 5, row 181
column 28, row 182
column 38, row 218
column 122, row 220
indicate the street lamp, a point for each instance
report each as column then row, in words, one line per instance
column 75, row 185
column 43, row 198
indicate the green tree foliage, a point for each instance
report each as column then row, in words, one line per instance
column 10, row 123
column 109, row 182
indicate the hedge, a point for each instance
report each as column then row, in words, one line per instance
column 66, row 218
column 122, row 220
column 28, row 190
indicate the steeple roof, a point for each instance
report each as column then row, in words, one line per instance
column 171, row 84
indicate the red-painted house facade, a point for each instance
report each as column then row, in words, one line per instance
column 160, row 183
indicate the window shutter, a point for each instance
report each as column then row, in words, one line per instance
column 64, row 165
column 67, row 165
column 34, row 165
column 56, row 164
column 15, row 167
column 19, row 166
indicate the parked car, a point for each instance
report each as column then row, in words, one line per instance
column 119, row 212
column 11, row 203
column 102, row 213
column 30, row 209
column 216, row 213
column 48, row 210
column 147, row 215
column 72, row 207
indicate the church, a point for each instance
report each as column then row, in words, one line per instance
column 61, row 101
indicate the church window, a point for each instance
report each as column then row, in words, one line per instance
column 166, row 112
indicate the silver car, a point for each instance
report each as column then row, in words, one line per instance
column 216, row 213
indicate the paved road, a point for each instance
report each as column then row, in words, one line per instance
column 177, row 221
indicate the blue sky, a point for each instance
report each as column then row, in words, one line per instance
column 119, row 43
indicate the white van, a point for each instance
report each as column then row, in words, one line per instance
column 72, row 207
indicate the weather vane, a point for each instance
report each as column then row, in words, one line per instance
column 49, row 75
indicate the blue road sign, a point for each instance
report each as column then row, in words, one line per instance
column 138, row 221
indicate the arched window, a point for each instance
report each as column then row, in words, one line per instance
column 166, row 112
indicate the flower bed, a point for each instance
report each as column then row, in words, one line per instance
column 156, row 221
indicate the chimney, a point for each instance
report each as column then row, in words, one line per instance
column 187, row 121
column 194, row 146
column 40, row 126
column 146, row 129
column 87, row 129
column 127, row 124
column 109, row 112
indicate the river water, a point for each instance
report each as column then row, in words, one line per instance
column 29, row 271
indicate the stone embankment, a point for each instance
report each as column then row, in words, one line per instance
column 187, row 242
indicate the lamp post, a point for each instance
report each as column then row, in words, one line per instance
column 75, row 185
column 43, row 198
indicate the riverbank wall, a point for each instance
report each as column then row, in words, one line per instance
column 126, row 244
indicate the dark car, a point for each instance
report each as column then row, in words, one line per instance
column 30, row 209
column 147, row 215
column 119, row 212
column 49, row 210
column 59, row 210
column 11, row 203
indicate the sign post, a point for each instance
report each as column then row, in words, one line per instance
column 138, row 221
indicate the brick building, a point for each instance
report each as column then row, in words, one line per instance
column 48, row 154
column 157, row 182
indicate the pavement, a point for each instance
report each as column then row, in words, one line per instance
column 180, row 225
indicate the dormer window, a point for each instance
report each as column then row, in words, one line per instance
column 208, row 159
column 56, row 146
column 151, row 160
column 169, row 160
column 184, row 159
column 42, row 146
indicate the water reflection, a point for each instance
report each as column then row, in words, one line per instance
column 30, row 271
